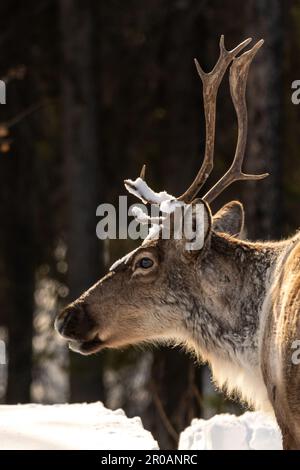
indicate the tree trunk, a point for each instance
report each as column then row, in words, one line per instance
column 20, row 256
column 80, row 148
column 264, row 152
column 175, row 388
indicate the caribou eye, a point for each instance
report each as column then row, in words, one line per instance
column 145, row 263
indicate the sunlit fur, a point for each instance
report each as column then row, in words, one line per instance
column 233, row 303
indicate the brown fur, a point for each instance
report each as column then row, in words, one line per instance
column 234, row 303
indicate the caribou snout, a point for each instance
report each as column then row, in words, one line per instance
column 76, row 324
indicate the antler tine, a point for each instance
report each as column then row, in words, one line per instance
column 238, row 80
column 143, row 172
column 211, row 82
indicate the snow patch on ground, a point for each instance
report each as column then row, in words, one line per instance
column 79, row 426
column 250, row 431
column 92, row 426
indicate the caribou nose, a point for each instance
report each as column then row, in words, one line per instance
column 74, row 322
column 62, row 320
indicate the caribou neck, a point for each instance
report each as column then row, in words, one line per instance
column 233, row 278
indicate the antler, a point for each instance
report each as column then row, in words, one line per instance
column 211, row 82
column 238, row 80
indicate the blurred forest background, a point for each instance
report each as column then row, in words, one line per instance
column 95, row 88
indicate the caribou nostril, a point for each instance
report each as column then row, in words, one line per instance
column 62, row 320
column 75, row 322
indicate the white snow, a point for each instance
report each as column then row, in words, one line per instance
column 140, row 189
column 79, row 426
column 94, row 427
column 250, row 431
column 170, row 205
column 166, row 203
column 143, row 218
column 153, row 232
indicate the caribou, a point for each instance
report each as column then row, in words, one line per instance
column 234, row 303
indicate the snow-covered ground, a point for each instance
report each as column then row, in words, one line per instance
column 82, row 426
column 250, row 431
column 92, row 426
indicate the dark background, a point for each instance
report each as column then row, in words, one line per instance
column 94, row 90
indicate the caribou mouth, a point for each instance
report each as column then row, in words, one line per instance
column 86, row 347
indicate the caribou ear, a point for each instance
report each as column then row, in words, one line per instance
column 229, row 219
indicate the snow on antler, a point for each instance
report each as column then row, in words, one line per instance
column 164, row 201
column 143, row 218
column 140, row 189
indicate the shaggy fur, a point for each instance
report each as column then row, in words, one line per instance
column 234, row 303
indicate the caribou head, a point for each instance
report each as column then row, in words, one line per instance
column 163, row 291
